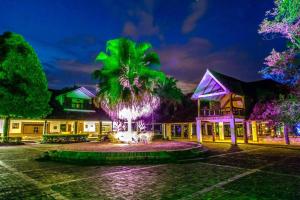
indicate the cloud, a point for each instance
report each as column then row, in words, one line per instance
column 186, row 87
column 144, row 25
column 198, row 10
column 188, row 62
column 76, row 66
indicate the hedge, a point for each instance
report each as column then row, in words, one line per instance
column 13, row 140
column 64, row 138
column 108, row 158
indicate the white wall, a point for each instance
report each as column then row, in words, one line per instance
column 20, row 121
column 89, row 126
column 57, row 124
column 52, row 125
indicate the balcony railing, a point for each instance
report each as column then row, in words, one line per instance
column 221, row 112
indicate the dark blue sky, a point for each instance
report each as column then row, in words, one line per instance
column 189, row 35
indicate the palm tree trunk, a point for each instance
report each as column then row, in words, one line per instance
column 129, row 125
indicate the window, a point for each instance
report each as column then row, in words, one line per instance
column 35, row 130
column 77, row 103
column 176, row 130
column 55, row 127
column 15, row 125
column 86, row 126
column 63, row 128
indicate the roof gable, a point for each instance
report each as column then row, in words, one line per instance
column 232, row 84
column 209, row 86
column 80, row 93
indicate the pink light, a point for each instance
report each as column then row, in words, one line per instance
column 137, row 108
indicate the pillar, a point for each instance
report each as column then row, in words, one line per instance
column 232, row 131
column 199, row 104
column 163, row 130
column 100, row 128
column 45, row 128
column 214, row 132
column 190, row 130
column 246, row 131
column 221, row 130
column 168, row 131
column 206, row 129
column 75, row 127
column 199, row 131
column 254, row 131
column 182, row 130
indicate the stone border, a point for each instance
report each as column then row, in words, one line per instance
column 121, row 158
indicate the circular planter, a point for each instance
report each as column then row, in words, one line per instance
column 124, row 157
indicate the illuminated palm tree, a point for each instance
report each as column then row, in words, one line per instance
column 128, row 79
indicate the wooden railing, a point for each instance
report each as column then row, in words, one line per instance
column 221, row 112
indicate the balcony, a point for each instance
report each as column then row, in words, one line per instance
column 221, row 112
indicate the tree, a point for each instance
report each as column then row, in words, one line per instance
column 128, row 79
column 170, row 98
column 23, row 84
column 284, row 67
column 283, row 21
column 168, row 91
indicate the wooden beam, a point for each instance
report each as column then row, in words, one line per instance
column 207, row 85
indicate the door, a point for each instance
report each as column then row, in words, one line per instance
column 33, row 130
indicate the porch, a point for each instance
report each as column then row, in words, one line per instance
column 35, row 129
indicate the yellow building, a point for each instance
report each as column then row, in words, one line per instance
column 224, row 105
column 73, row 113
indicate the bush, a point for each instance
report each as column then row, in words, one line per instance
column 158, row 137
column 12, row 140
column 64, row 138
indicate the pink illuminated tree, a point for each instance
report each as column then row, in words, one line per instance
column 284, row 67
column 283, row 21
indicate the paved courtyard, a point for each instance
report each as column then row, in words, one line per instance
column 244, row 172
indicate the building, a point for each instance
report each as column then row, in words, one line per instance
column 224, row 105
column 73, row 112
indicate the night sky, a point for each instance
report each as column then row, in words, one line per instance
column 189, row 35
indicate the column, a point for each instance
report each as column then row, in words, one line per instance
column 254, row 131
column 206, row 129
column 199, row 131
column 232, row 131
column 45, row 128
column 221, row 130
column 168, row 131
column 190, row 130
column 100, row 128
column 163, row 130
column 182, row 130
column 199, row 104
column 214, row 132
column 246, row 131
column 75, row 127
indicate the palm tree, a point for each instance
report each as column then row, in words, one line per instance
column 128, row 79
column 169, row 92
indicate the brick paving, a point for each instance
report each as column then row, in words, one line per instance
column 247, row 172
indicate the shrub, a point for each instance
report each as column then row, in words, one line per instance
column 64, row 138
column 12, row 140
column 158, row 137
